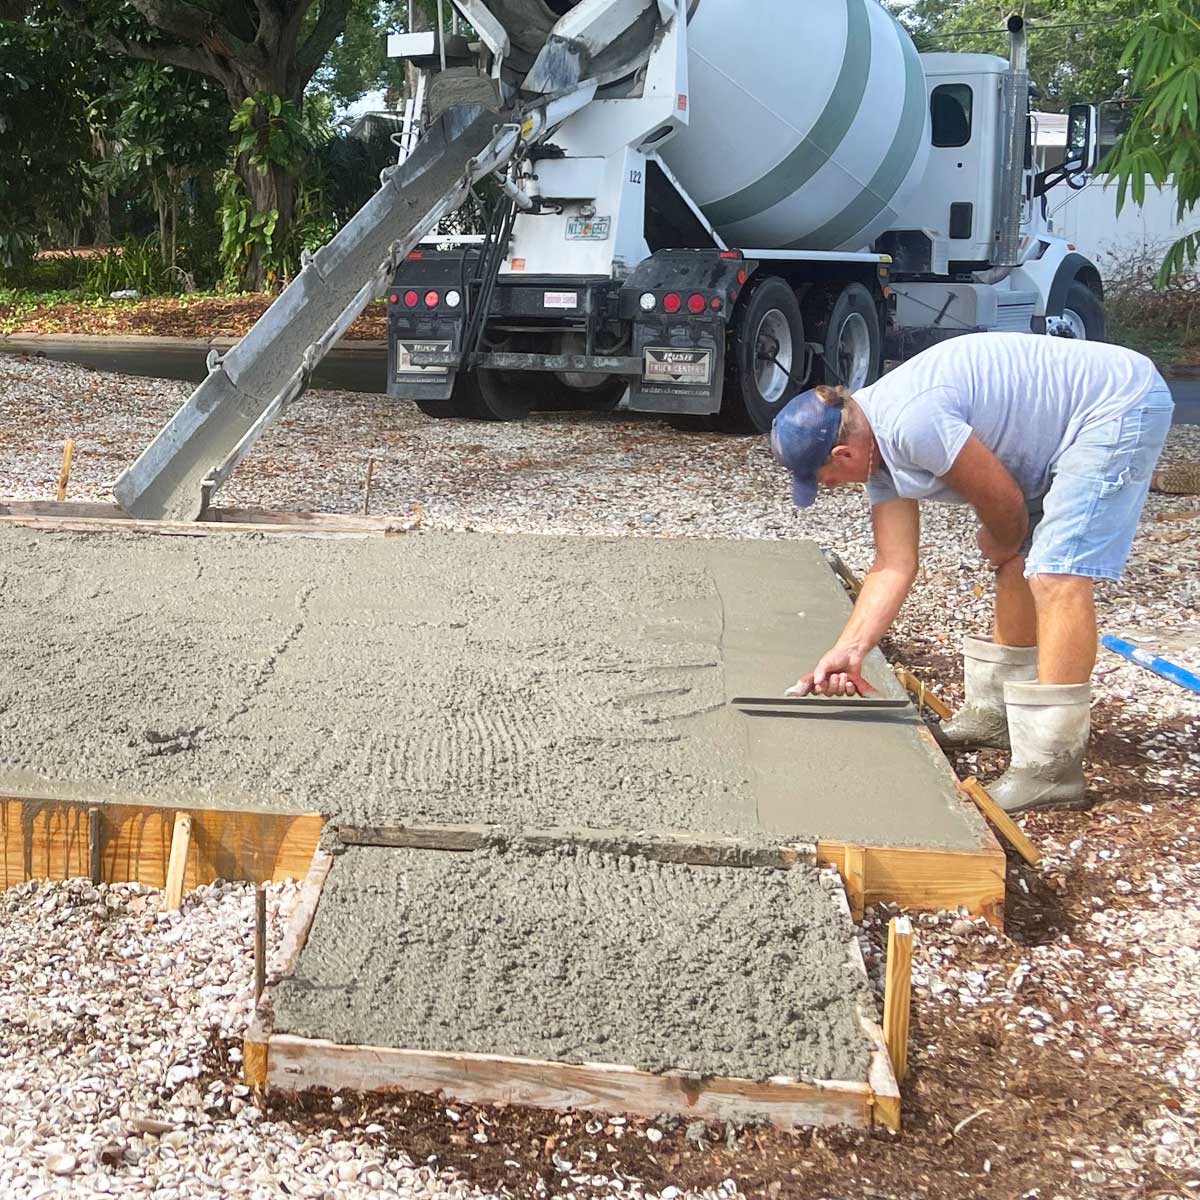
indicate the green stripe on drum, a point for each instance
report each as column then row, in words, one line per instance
column 884, row 184
column 821, row 141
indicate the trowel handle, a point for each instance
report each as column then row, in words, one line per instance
column 860, row 684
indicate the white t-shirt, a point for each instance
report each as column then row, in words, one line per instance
column 1025, row 397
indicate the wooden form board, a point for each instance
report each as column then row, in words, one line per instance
column 94, row 517
column 131, row 843
column 294, row 1064
column 48, row 839
column 910, row 876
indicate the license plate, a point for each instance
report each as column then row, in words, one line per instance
column 664, row 365
column 560, row 299
column 588, row 229
column 405, row 351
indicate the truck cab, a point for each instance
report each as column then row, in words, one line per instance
column 952, row 271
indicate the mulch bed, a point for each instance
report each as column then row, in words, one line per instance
column 167, row 316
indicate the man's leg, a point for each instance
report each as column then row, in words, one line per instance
column 1016, row 622
column 1066, row 627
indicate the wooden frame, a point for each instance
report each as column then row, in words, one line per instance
column 56, row 839
column 55, row 516
column 131, row 843
column 289, row 1063
column 910, row 876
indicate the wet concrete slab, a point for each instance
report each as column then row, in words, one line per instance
column 521, row 681
column 570, row 955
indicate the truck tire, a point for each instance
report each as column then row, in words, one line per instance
column 845, row 325
column 461, row 403
column 768, row 325
column 1082, row 316
column 502, row 395
column 601, row 397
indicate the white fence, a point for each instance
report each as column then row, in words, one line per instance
column 1089, row 219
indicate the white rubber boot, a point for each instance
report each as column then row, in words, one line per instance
column 1049, row 725
column 987, row 667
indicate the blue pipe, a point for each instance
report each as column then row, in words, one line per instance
column 1160, row 666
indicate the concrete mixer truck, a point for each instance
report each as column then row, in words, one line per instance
column 763, row 194
column 701, row 206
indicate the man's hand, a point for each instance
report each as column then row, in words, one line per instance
column 830, row 675
column 996, row 553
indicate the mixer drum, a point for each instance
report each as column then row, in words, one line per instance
column 809, row 122
column 808, row 118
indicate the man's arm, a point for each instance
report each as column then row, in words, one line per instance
column 982, row 480
column 897, row 526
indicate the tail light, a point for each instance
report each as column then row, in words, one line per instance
column 671, row 302
column 696, row 303
column 411, row 298
column 431, row 299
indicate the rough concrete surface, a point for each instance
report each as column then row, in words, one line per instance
column 525, row 681
column 576, row 956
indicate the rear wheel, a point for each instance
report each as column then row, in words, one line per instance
column 503, row 395
column 845, row 325
column 768, row 352
column 459, row 403
column 602, row 397
column 1082, row 316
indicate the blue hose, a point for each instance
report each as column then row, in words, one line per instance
column 1160, row 666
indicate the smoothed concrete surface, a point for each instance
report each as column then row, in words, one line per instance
column 575, row 956
column 525, row 681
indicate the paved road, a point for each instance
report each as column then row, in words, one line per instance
column 365, row 370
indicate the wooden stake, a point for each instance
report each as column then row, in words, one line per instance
column 1006, row 827
column 176, row 865
column 65, row 474
column 255, row 1056
column 897, row 993
column 260, row 942
column 95, row 845
column 922, row 695
column 854, row 880
column 367, row 489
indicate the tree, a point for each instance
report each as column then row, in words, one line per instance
column 1075, row 46
column 259, row 51
column 159, row 125
column 44, row 139
column 1162, row 141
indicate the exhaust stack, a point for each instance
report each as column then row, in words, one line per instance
column 1012, row 175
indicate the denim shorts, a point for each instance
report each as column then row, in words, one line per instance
column 1085, row 523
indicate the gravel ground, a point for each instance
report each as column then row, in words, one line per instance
column 1061, row 1059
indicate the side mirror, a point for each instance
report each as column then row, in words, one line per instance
column 1113, row 120
column 1080, row 153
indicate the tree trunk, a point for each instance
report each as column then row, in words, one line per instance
column 274, row 191
column 102, row 234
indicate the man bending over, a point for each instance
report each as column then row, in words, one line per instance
column 1052, row 441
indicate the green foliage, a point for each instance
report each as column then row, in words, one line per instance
column 357, row 63
column 1163, row 138
column 276, row 135
column 44, row 141
column 139, row 265
column 274, row 132
column 1069, row 65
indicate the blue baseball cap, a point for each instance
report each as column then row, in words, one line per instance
column 802, row 437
